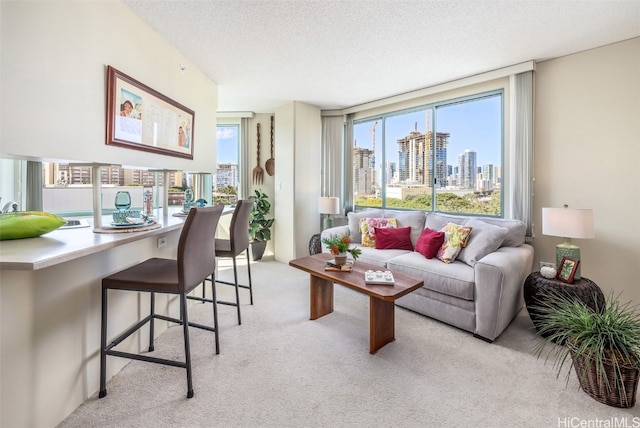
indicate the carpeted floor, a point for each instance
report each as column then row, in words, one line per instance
column 279, row 369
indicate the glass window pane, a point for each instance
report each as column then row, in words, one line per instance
column 367, row 163
column 227, row 171
column 469, row 139
column 453, row 147
column 407, row 138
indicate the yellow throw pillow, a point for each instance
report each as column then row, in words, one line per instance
column 455, row 238
column 368, row 231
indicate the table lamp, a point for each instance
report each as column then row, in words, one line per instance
column 328, row 205
column 568, row 223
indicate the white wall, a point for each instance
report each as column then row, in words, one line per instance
column 54, row 59
column 587, row 148
column 297, row 179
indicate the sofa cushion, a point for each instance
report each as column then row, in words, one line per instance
column 389, row 238
column 353, row 219
column 485, row 239
column 413, row 219
column 368, row 228
column 436, row 221
column 429, row 242
column 455, row 238
column 453, row 279
column 379, row 257
column 516, row 230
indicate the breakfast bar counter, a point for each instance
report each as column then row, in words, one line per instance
column 63, row 245
column 50, row 294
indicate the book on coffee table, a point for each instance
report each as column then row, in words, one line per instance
column 330, row 265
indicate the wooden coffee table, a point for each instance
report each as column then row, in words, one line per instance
column 381, row 297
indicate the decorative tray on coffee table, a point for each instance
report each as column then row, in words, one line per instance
column 379, row 277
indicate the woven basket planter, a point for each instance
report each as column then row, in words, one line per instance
column 612, row 395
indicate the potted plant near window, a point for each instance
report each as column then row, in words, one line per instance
column 603, row 345
column 259, row 225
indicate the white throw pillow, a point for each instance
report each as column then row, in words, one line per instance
column 485, row 239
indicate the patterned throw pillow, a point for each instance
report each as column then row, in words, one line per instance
column 456, row 237
column 368, row 231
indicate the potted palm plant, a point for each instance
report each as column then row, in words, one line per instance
column 259, row 225
column 603, row 345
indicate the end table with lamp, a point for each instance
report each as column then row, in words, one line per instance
column 568, row 223
column 327, row 206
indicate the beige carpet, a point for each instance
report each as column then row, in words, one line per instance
column 279, row 369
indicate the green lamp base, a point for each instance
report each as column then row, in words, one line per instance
column 327, row 222
column 568, row 250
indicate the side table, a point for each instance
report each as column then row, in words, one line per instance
column 315, row 244
column 583, row 290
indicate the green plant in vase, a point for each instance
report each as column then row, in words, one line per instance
column 259, row 224
column 339, row 246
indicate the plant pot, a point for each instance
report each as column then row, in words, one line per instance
column 257, row 249
column 340, row 259
column 612, row 394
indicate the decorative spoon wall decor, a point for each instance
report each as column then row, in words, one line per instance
column 270, row 164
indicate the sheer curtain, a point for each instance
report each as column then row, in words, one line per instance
column 521, row 178
column 331, row 158
column 245, row 178
column 34, row 186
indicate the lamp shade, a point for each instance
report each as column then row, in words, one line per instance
column 328, row 205
column 568, row 223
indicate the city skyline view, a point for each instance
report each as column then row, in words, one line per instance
column 474, row 125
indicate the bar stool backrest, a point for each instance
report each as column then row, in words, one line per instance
column 239, row 228
column 196, row 247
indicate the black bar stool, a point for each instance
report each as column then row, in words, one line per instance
column 195, row 262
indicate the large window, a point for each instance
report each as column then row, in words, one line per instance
column 444, row 157
column 227, row 165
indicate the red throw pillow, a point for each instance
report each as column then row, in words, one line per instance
column 397, row 239
column 429, row 242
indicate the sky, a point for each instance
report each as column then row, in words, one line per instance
column 227, row 136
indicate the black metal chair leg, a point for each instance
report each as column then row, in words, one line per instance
column 187, row 347
column 235, row 277
column 103, row 346
column 151, row 323
column 214, row 299
column 249, row 272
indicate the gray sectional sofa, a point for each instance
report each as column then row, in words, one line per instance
column 480, row 291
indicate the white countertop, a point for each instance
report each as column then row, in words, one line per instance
column 63, row 245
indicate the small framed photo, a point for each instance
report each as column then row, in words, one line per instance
column 567, row 269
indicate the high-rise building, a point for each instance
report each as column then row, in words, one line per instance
column 412, row 158
column 390, row 172
column 362, row 171
column 467, row 169
column 226, row 175
column 440, row 164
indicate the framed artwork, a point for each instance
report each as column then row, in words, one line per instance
column 567, row 269
column 141, row 118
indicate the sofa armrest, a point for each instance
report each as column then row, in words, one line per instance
column 499, row 280
column 332, row 231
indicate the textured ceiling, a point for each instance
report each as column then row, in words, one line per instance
column 336, row 54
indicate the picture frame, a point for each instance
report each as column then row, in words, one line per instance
column 141, row 118
column 567, row 269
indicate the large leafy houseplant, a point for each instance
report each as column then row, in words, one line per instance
column 259, row 225
column 603, row 345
